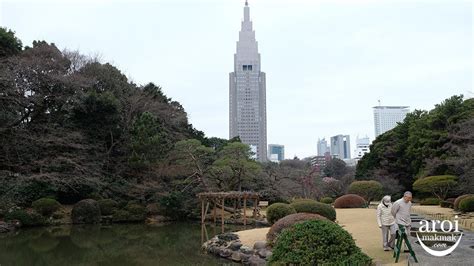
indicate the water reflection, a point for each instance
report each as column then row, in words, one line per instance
column 118, row 244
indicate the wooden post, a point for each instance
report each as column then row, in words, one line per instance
column 202, row 211
column 214, row 212
column 205, row 210
column 255, row 204
column 245, row 210
column 222, row 216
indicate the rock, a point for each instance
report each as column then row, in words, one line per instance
column 157, row 219
column 236, row 256
column 214, row 250
column 10, row 226
column 264, row 253
column 262, row 223
column 235, row 245
column 246, row 250
column 259, row 245
column 225, row 253
column 228, row 237
column 256, row 261
column 245, row 258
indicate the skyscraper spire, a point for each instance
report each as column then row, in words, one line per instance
column 246, row 11
column 247, row 97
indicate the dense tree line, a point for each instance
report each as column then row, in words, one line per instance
column 72, row 127
column 426, row 143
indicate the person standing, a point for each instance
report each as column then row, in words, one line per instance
column 401, row 210
column 386, row 222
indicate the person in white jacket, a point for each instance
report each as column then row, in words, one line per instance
column 386, row 222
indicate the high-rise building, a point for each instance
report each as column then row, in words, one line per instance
column 247, row 92
column 387, row 117
column 323, row 147
column 341, row 147
column 278, row 150
column 362, row 147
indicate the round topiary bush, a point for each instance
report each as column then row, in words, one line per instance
column 317, row 242
column 327, row 200
column 107, row 206
column 288, row 221
column 467, row 204
column 458, row 200
column 86, row 212
column 137, row 211
column 312, row 206
column 46, row 206
column 369, row 190
column 277, row 211
column 430, row 201
column 25, row 218
column 350, row 201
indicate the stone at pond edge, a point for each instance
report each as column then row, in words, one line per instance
column 228, row 236
column 259, row 245
column 264, row 253
column 225, row 253
column 236, row 256
column 256, row 261
column 246, row 250
column 235, row 245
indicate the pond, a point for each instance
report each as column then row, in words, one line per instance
column 117, row 244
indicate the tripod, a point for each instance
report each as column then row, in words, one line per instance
column 402, row 236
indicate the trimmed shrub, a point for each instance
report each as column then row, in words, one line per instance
column 448, row 203
column 288, row 221
column 46, row 206
column 121, row 216
column 86, row 211
column 312, row 206
column 172, row 205
column 430, row 201
column 458, row 200
column 350, row 201
column 327, row 200
column 272, row 196
column 26, row 218
column 137, row 211
column 369, row 190
column 317, row 242
column 467, row 204
column 152, row 209
column 107, row 206
column 439, row 186
column 277, row 211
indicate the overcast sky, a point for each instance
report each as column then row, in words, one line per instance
column 327, row 62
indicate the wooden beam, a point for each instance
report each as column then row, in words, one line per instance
column 255, row 204
column 222, row 216
column 245, row 211
column 214, row 214
column 202, row 211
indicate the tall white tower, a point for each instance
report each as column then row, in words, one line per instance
column 247, row 92
column 387, row 117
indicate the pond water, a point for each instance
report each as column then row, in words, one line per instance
column 117, row 244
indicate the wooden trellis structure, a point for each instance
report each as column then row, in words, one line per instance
column 218, row 198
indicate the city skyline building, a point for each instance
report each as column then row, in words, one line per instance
column 362, row 147
column 323, row 147
column 341, row 147
column 247, row 92
column 387, row 117
column 278, row 150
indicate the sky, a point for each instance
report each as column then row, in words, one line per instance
column 327, row 62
